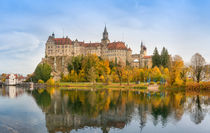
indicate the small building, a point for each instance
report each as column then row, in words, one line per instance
column 14, row 79
column 11, row 79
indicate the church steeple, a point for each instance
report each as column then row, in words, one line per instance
column 105, row 36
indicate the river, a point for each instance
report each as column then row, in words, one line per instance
column 54, row 110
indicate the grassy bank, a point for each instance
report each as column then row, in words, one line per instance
column 102, row 85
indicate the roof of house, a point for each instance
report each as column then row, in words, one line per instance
column 16, row 76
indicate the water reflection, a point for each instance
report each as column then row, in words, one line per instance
column 75, row 109
column 107, row 110
column 11, row 91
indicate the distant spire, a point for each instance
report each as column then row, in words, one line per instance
column 142, row 44
column 105, row 30
column 105, row 33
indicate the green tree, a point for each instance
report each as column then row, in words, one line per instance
column 42, row 72
column 164, row 57
column 76, row 64
column 156, row 58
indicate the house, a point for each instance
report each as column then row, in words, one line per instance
column 11, row 79
column 14, row 79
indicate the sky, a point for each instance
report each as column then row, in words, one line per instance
column 182, row 26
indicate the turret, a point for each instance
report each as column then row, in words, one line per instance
column 53, row 35
column 105, row 38
column 143, row 50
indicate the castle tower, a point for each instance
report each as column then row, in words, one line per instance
column 143, row 52
column 105, row 39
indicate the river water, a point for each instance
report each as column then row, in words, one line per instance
column 95, row 111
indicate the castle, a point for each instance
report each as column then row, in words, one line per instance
column 59, row 50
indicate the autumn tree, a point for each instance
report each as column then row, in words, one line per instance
column 175, row 69
column 183, row 74
column 3, row 77
column 104, row 70
column 88, row 62
column 136, row 74
column 198, row 65
column 92, row 75
column 119, row 71
column 127, row 75
column 156, row 74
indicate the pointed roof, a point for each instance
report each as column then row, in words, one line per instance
column 105, row 30
column 141, row 43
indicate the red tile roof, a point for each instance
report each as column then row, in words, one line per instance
column 7, row 77
column 62, row 41
column 92, row 44
column 147, row 57
column 117, row 45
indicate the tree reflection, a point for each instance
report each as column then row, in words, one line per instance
column 197, row 114
column 42, row 98
column 75, row 109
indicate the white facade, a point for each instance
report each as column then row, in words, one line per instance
column 11, row 80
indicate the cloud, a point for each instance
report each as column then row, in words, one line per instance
column 181, row 26
column 19, row 52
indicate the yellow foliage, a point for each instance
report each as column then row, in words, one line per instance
column 40, row 81
column 50, row 82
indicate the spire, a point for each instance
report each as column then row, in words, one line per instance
column 105, row 34
column 142, row 44
column 105, row 30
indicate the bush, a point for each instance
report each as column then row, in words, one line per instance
column 40, row 81
column 50, row 82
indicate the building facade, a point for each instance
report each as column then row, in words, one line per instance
column 63, row 48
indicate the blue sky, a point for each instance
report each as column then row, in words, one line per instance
column 182, row 26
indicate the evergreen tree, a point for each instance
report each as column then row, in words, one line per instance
column 164, row 57
column 156, row 58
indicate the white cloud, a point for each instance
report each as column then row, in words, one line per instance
column 20, row 52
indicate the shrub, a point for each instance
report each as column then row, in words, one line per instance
column 40, row 81
column 50, row 82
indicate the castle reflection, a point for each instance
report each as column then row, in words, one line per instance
column 67, row 110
